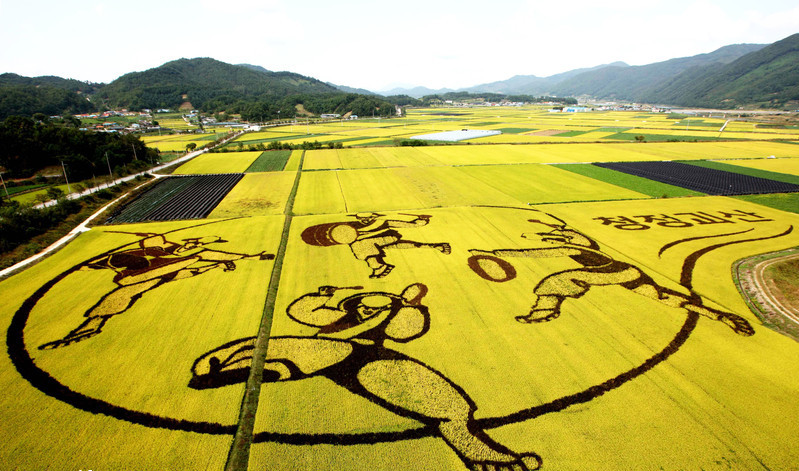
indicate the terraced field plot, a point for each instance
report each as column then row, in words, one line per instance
column 452, row 308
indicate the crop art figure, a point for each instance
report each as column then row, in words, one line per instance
column 154, row 262
column 597, row 268
column 349, row 349
column 368, row 237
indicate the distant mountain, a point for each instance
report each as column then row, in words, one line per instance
column 346, row 89
column 732, row 76
column 768, row 76
column 636, row 83
column 201, row 80
column 532, row 85
column 416, row 92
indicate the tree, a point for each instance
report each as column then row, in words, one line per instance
column 191, row 146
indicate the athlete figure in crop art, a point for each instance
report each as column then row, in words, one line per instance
column 349, row 349
column 599, row 269
column 368, row 237
column 154, row 262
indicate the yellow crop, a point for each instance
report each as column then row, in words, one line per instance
column 222, row 162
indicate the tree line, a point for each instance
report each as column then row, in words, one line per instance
column 28, row 145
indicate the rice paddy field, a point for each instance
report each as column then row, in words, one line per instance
column 463, row 307
column 523, row 125
column 178, row 142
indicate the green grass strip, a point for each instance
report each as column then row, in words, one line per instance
column 783, row 201
column 630, row 136
column 630, row 182
column 515, row 130
column 270, row 139
column 612, row 129
column 12, row 190
column 571, row 133
column 698, row 123
column 270, row 161
column 387, row 142
column 753, row 172
column 239, row 456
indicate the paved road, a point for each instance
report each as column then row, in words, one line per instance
column 153, row 170
column 83, row 227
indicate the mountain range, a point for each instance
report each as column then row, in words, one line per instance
column 730, row 77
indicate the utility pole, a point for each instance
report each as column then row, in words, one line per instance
column 4, row 185
column 109, row 167
column 65, row 176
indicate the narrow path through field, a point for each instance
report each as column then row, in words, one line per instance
column 239, row 456
column 770, row 296
column 760, row 291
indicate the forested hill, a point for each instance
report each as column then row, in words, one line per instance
column 205, row 82
column 25, row 96
column 208, row 85
column 50, row 81
column 740, row 75
column 767, row 77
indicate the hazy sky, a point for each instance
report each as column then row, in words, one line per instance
column 377, row 45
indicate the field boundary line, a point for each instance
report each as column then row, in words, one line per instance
column 239, row 455
column 341, row 190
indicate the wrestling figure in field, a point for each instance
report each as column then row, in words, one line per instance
column 368, row 237
column 597, row 268
column 349, row 349
column 138, row 270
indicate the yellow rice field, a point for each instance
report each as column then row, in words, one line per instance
column 782, row 165
column 223, row 162
column 453, row 307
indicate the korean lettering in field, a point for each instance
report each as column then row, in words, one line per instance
column 680, row 220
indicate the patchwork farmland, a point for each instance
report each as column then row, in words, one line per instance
column 459, row 307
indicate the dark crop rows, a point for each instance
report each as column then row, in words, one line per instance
column 705, row 180
column 173, row 198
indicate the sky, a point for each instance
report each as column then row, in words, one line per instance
column 377, row 45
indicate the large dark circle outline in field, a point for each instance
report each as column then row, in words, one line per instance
column 44, row 382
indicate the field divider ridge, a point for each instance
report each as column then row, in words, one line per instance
column 239, row 455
